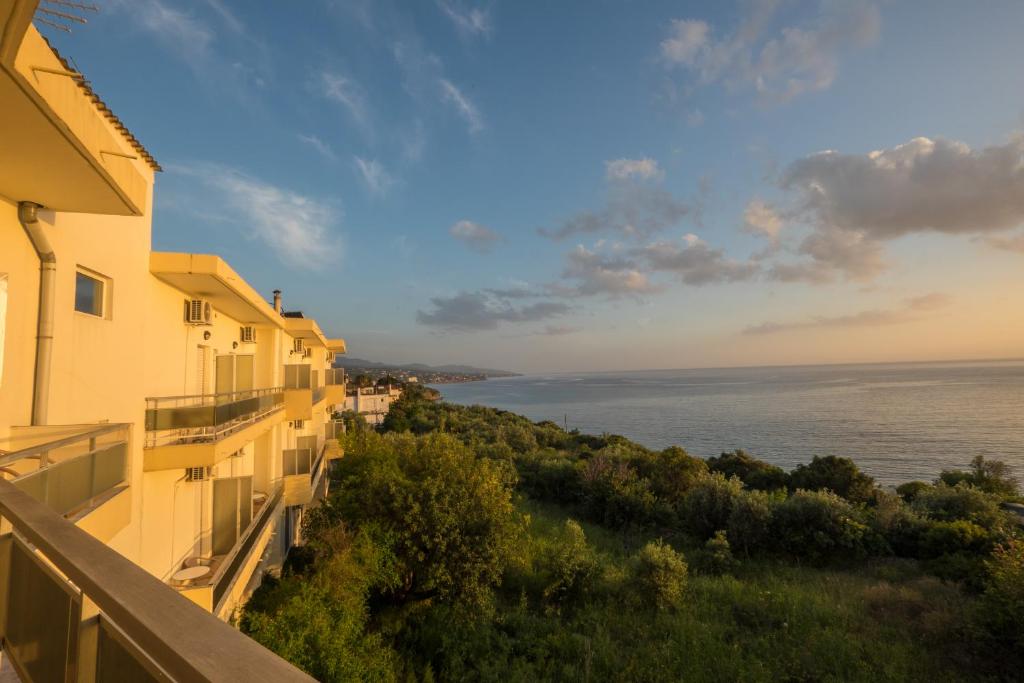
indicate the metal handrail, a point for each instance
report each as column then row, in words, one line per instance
column 245, row 393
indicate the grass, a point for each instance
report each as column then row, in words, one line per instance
column 882, row 621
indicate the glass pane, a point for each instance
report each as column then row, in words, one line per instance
column 114, row 662
column 225, row 515
column 243, row 373
column 225, row 374
column 88, row 294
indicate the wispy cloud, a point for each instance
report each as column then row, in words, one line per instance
column 477, row 237
column 378, row 180
column 463, row 105
column 471, row 22
column 482, row 310
column 319, row 145
column 595, row 274
column 624, row 169
column 910, row 312
column 297, row 228
column 776, row 65
column 346, row 91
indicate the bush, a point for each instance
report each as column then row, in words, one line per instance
column 909, row 490
column 1000, row 614
column 949, row 538
column 571, row 567
column 709, row 505
column 754, row 473
column 673, row 472
column 717, row 557
column 963, row 501
column 660, row 575
column 991, row 476
column 750, row 521
column 615, row 494
column 818, row 525
column 839, row 475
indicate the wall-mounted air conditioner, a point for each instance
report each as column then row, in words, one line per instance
column 197, row 473
column 299, row 346
column 248, row 335
column 198, row 312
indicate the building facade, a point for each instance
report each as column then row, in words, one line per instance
column 373, row 403
column 163, row 426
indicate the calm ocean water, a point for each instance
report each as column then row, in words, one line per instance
column 897, row 421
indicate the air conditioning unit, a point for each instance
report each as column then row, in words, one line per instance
column 197, row 473
column 299, row 346
column 198, row 312
column 248, row 335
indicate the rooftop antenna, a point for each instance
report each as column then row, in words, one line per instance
column 63, row 14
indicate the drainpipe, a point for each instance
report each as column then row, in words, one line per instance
column 29, row 219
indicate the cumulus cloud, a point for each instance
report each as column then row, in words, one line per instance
column 623, row 169
column 378, row 180
column 477, row 237
column 469, row 22
column 463, row 105
column 696, row 263
column 633, row 211
column 482, row 310
column 595, row 274
column 297, row 228
column 777, row 65
column 910, row 312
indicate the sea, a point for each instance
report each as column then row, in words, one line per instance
column 898, row 422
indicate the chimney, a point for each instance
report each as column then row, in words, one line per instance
column 277, row 300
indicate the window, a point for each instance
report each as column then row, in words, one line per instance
column 90, row 294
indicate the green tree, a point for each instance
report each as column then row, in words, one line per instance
column 839, row 475
column 754, row 473
column 709, row 504
column 991, row 476
column 660, row 574
column 571, row 567
column 446, row 515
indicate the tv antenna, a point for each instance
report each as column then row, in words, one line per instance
column 63, row 14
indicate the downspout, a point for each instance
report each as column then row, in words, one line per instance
column 29, row 219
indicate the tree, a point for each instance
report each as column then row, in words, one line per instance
column 660, row 575
column 991, row 476
column 446, row 515
column 708, row 505
column 754, row 473
column 839, row 475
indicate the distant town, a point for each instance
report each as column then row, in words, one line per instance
column 417, row 372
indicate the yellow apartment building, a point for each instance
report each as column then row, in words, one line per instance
column 163, row 426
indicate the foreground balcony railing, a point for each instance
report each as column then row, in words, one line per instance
column 206, row 418
column 74, row 609
column 69, row 468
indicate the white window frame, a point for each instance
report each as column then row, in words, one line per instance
column 106, row 293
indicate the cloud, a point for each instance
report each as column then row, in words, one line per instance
column 623, row 169
column 777, row 66
column 595, row 274
column 319, row 145
column 297, row 228
column 761, row 218
column 1011, row 243
column 466, row 109
column 481, row 310
column 469, row 22
column 870, row 318
column 378, row 180
column 695, row 263
column 347, row 92
column 477, row 237
column 695, row 118
column 921, row 186
column 632, row 211
column 190, row 37
column 559, row 330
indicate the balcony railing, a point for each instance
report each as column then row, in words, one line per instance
column 208, row 417
column 78, row 610
column 334, row 376
column 333, row 429
column 318, row 394
column 69, row 468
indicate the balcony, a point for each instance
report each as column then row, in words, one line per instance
column 60, row 145
column 333, row 429
column 78, row 471
column 74, row 609
column 229, row 573
column 302, row 391
column 303, row 471
column 201, row 430
column 334, row 380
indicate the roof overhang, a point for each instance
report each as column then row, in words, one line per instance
column 206, row 276
column 336, row 345
column 306, row 329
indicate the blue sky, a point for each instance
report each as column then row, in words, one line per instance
column 593, row 185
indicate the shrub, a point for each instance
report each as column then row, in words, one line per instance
column 839, row 475
column 660, row 575
column 991, row 476
column 571, row 567
column 749, row 524
column 910, row 489
column 818, row 525
column 718, row 558
column 958, row 536
column 1000, row 614
column 709, row 504
column 673, row 472
column 614, row 493
column 754, row 473
column 948, row 503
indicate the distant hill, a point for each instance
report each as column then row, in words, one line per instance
column 359, row 363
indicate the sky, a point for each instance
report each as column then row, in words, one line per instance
column 594, row 185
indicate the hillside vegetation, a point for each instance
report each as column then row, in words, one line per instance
column 471, row 544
